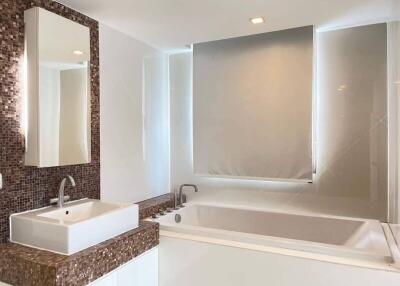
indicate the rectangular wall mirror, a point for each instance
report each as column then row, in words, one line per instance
column 57, row 56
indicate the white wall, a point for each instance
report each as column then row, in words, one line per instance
column 351, row 175
column 133, row 119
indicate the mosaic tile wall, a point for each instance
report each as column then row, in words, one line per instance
column 25, row 188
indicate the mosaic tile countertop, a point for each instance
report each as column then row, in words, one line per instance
column 154, row 205
column 25, row 266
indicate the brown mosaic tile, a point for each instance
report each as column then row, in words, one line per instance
column 28, row 187
column 154, row 205
column 25, row 266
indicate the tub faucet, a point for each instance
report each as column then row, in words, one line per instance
column 180, row 196
column 61, row 198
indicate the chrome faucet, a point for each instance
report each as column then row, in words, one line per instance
column 180, row 196
column 61, row 198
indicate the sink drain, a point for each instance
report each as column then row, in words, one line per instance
column 178, row 218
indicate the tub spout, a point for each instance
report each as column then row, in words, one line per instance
column 179, row 200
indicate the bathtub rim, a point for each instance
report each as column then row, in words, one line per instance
column 362, row 263
column 276, row 211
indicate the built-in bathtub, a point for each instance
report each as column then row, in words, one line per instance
column 327, row 235
column 226, row 245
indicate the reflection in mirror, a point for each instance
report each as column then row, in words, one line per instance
column 58, row 95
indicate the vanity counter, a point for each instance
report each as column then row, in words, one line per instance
column 155, row 205
column 21, row 265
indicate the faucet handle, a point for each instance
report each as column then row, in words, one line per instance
column 54, row 201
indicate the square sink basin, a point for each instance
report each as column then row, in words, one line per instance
column 74, row 227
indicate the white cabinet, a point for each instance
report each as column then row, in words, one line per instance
column 143, row 271
column 57, row 55
column 110, row 279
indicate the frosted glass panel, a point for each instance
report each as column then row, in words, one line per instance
column 352, row 112
column 394, row 118
column 252, row 99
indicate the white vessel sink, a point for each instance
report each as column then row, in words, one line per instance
column 76, row 226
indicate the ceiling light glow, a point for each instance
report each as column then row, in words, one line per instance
column 257, row 20
column 77, row 53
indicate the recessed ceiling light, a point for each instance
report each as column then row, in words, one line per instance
column 77, row 53
column 257, row 20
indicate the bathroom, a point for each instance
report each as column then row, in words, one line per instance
column 222, row 142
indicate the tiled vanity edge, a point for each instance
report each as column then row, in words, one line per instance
column 154, row 205
column 24, row 266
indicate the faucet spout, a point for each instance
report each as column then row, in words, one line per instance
column 60, row 202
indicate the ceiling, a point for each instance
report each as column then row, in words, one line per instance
column 173, row 24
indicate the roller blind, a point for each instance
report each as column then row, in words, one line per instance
column 252, row 106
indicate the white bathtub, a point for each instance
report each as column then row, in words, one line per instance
column 326, row 235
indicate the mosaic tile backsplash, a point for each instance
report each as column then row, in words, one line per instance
column 26, row 188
